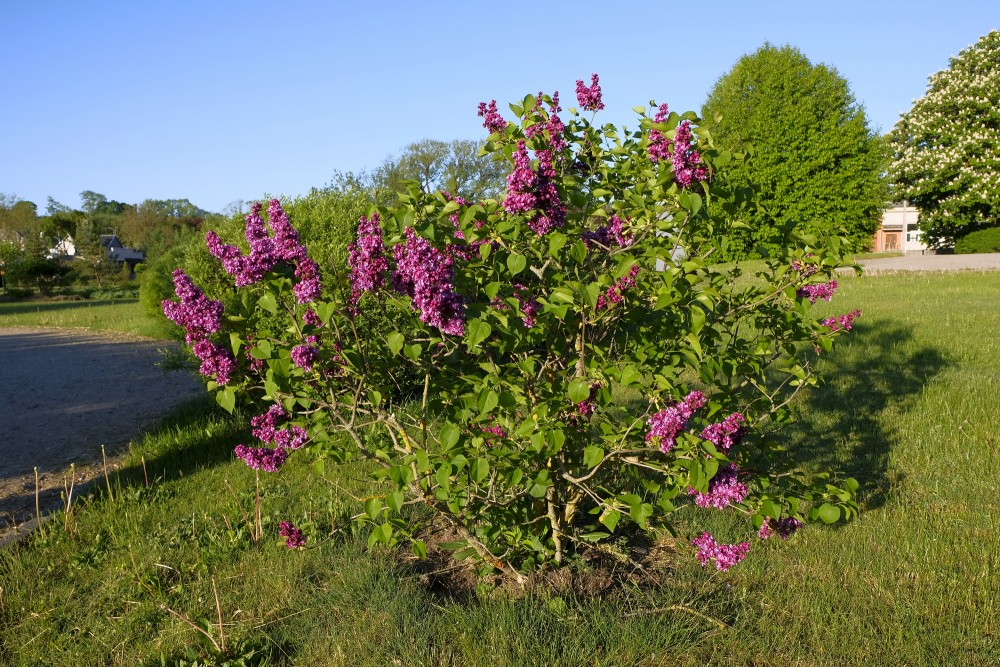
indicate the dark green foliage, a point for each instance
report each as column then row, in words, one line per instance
column 984, row 240
column 817, row 163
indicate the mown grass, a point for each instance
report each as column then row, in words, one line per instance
column 909, row 408
column 118, row 316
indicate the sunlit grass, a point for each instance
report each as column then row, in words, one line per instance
column 124, row 317
column 909, row 408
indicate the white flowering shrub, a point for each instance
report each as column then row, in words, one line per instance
column 946, row 149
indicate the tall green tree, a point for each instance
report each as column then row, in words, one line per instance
column 816, row 163
column 946, row 148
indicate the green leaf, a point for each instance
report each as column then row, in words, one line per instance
column 373, row 507
column 395, row 342
column 556, row 241
column 413, row 351
column 592, row 455
column 610, row 519
column 475, row 333
column 579, row 391
column 516, row 263
column 449, row 435
column 420, row 549
column 490, row 401
column 395, row 501
column 319, row 467
column 480, row 470
column 268, row 303
column 227, row 399
column 640, row 513
column 828, row 513
column 235, row 342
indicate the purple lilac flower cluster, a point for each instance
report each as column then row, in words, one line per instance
column 589, row 98
column 659, row 146
column 667, row 424
column 311, row 318
column 198, row 315
column 585, row 408
column 606, row 235
column 726, row 433
column 304, row 356
column 367, row 259
column 614, row 294
column 492, row 120
column 285, row 440
column 724, row 489
column 553, row 124
column 265, row 428
column 495, row 429
column 687, row 161
column 426, row 275
column 293, row 536
column 200, row 318
column 724, row 555
column 528, row 305
column 528, row 190
column 267, row 251
column 845, row 321
column 823, row 291
column 262, row 458
column 784, row 528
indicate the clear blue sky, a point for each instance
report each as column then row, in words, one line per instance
column 215, row 101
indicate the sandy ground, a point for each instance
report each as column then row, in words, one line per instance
column 64, row 394
column 929, row 262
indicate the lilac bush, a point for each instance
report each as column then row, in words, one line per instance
column 575, row 379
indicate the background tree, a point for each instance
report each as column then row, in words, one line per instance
column 817, row 162
column 456, row 167
column 946, row 148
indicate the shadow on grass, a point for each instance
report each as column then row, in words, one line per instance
column 850, row 423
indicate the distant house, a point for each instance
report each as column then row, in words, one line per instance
column 899, row 232
column 116, row 250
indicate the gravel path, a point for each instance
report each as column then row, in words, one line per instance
column 918, row 262
column 63, row 395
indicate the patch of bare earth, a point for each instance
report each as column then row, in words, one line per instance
column 65, row 394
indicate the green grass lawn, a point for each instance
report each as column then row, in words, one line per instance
column 124, row 317
column 909, row 408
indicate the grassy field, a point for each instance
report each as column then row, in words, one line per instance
column 106, row 316
column 909, row 408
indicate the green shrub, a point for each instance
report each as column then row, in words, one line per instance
column 984, row 240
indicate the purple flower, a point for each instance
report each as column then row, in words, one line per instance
column 293, row 536
column 426, row 275
column 659, row 147
column 267, row 251
column 495, row 429
column 311, row 318
column 724, row 489
column 198, row 315
column 686, row 161
column 528, row 305
column 589, row 98
column 367, row 258
column 492, row 120
column 667, row 424
column 304, row 356
column 726, row 433
column 528, row 190
column 608, row 234
column 216, row 361
column 823, row 291
column 262, row 458
column 724, row 555
column 845, row 321
column 265, row 428
column 615, row 294
column 785, row 527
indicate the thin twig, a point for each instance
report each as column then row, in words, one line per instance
column 218, row 613
column 679, row 607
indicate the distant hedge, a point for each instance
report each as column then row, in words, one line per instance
column 984, row 240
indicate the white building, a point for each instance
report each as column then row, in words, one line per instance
column 899, row 232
